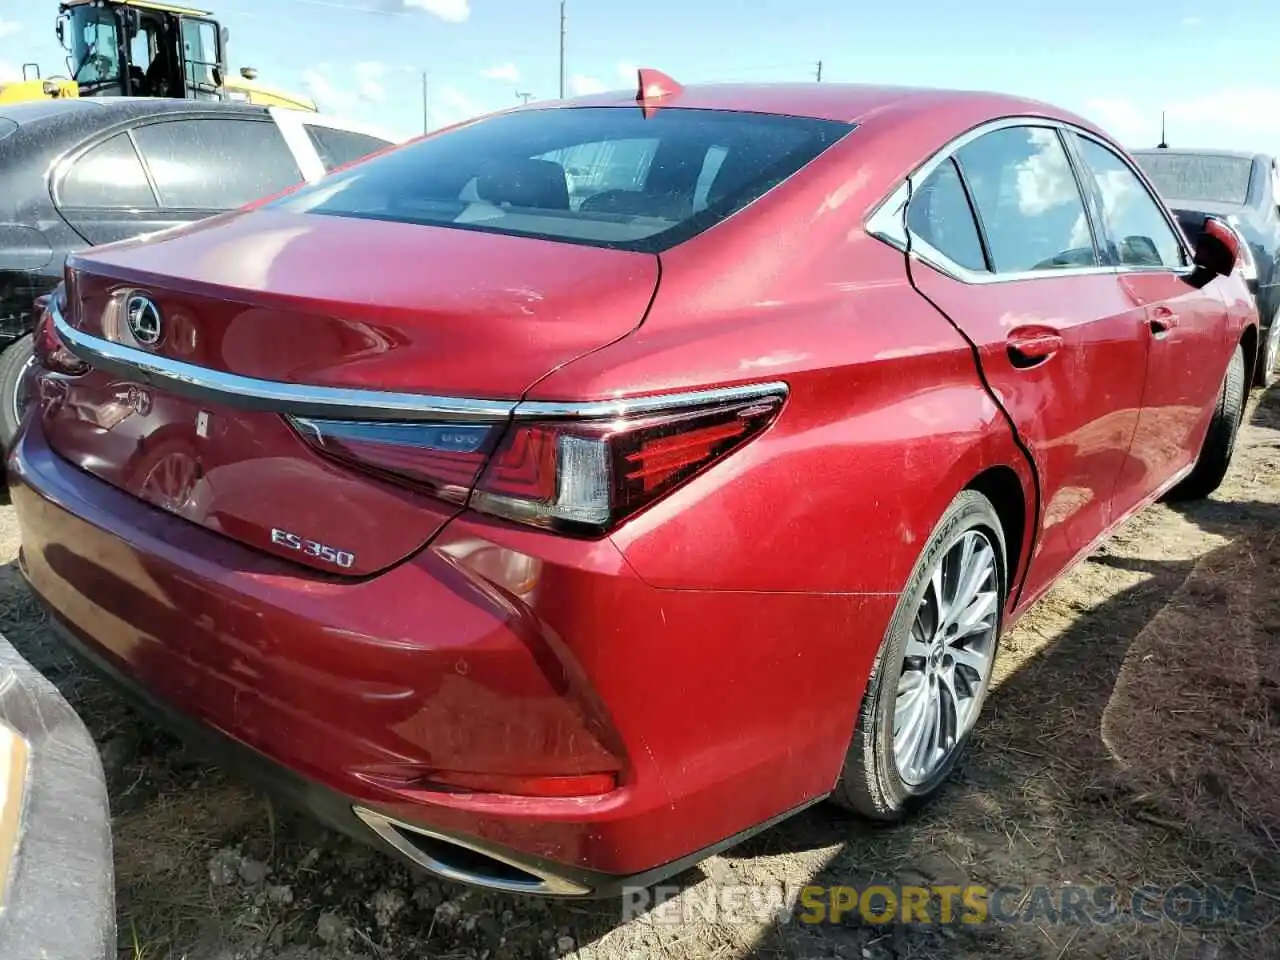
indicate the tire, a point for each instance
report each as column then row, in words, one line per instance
column 874, row 783
column 15, row 362
column 1220, row 442
column 1269, row 357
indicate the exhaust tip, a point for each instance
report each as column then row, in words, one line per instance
column 463, row 862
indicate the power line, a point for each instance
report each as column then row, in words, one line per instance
column 354, row 8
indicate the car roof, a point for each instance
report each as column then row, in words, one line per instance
column 846, row 102
column 108, row 110
column 1193, row 152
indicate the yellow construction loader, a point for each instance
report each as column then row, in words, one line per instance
column 144, row 48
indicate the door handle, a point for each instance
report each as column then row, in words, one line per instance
column 1031, row 346
column 1161, row 321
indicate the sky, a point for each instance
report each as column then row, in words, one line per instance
column 1211, row 68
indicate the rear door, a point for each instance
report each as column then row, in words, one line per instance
column 206, row 165
column 1060, row 344
column 104, row 194
column 1185, row 327
column 167, row 173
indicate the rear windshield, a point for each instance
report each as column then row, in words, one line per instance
column 1183, row 176
column 603, row 176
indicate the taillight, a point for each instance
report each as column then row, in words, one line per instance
column 581, row 476
column 50, row 352
column 586, row 477
column 442, row 458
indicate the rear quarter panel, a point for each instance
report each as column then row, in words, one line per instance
column 886, row 421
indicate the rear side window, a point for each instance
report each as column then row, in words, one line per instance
column 940, row 215
column 1142, row 234
column 1028, row 200
column 216, row 164
column 109, row 175
column 596, row 175
column 337, row 148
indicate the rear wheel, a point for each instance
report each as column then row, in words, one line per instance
column 1220, row 442
column 930, row 679
column 15, row 380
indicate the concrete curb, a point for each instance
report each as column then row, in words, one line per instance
column 60, row 902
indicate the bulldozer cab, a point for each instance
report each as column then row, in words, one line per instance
column 142, row 48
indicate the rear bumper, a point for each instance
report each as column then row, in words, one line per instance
column 338, row 811
column 717, row 712
column 63, row 826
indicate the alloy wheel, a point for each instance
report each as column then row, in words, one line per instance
column 948, row 658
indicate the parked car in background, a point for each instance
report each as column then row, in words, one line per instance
column 1244, row 190
column 78, row 172
column 662, row 505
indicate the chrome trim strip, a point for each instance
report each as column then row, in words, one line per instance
column 650, row 403
column 251, row 393
column 886, row 220
column 540, row 881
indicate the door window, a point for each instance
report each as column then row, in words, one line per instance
column 109, row 175
column 200, row 58
column 940, row 216
column 1028, row 200
column 1133, row 216
column 216, row 164
column 94, row 52
column 337, row 148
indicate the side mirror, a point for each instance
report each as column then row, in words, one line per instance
column 1219, row 247
column 1217, row 252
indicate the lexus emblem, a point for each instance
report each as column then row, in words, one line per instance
column 144, row 320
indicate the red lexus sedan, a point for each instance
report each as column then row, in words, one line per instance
column 559, row 498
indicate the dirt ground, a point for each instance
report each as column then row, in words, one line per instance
column 1133, row 739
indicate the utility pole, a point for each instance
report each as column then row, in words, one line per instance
column 426, row 112
column 562, row 49
column 1164, row 142
column 526, row 97
column 819, row 71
